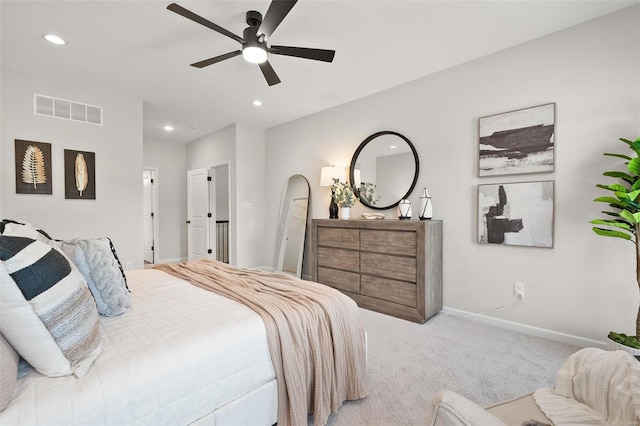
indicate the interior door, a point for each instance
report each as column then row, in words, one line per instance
column 197, row 214
column 148, row 215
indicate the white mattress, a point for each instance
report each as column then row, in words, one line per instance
column 179, row 353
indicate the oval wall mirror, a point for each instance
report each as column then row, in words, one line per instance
column 292, row 226
column 384, row 170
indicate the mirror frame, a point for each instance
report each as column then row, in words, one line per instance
column 355, row 157
column 282, row 221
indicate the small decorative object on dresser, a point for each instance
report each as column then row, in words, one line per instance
column 343, row 196
column 426, row 208
column 404, row 209
column 388, row 266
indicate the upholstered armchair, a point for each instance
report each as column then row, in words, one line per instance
column 593, row 387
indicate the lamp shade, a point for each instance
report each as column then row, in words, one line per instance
column 327, row 175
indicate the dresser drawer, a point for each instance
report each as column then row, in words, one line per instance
column 389, row 242
column 399, row 292
column 342, row 280
column 339, row 237
column 383, row 265
column 347, row 260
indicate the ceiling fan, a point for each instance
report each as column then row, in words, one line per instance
column 254, row 39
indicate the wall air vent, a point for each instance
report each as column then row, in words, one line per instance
column 68, row 110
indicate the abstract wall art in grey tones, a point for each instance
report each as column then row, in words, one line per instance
column 517, row 214
column 517, row 142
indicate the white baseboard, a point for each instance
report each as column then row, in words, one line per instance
column 528, row 329
column 176, row 260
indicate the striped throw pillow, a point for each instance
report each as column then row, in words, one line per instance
column 46, row 311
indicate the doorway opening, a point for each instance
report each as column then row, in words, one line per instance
column 208, row 218
column 150, row 214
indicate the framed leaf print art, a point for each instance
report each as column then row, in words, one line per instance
column 33, row 167
column 79, row 175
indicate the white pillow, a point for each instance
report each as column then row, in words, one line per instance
column 46, row 310
column 8, row 372
column 99, row 265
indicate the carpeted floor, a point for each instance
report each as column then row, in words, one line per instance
column 409, row 362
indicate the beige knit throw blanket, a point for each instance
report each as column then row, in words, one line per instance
column 315, row 335
column 594, row 387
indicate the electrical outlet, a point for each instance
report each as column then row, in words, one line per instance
column 129, row 266
column 518, row 289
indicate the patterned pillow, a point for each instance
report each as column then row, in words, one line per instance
column 99, row 265
column 22, row 229
column 46, row 311
column 8, row 372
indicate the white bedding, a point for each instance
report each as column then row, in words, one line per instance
column 178, row 354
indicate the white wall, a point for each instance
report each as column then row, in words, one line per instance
column 117, row 210
column 584, row 286
column 170, row 160
column 243, row 148
column 250, row 163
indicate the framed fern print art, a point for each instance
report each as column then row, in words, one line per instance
column 33, row 167
column 79, row 175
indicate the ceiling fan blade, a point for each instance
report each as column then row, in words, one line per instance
column 216, row 59
column 278, row 9
column 269, row 74
column 304, row 52
column 200, row 20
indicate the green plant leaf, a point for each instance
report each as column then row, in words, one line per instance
column 615, row 223
column 613, row 187
column 611, row 213
column 611, row 233
column 635, row 145
column 624, row 157
column 629, row 217
column 612, row 201
column 620, row 175
column 634, row 165
column 627, row 196
column 627, row 141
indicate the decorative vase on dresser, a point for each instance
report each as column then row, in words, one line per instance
column 389, row 266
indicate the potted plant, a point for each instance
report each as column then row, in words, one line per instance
column 624, row 222
column 343, row 196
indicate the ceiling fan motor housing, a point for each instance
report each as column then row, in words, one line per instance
column 254, row 18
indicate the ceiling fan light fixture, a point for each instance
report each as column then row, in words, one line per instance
column 254, row 54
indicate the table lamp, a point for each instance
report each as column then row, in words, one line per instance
column 327, row 175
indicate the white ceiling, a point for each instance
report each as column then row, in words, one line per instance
column 144, row 49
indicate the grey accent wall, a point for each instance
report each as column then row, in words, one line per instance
column 584, row 286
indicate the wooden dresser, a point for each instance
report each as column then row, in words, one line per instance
column 389, row 266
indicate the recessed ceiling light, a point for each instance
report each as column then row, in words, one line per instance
column 392, row 147
column 54, row 39
column 257, row 102
column 168, row 128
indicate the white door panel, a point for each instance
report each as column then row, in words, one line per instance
column 197, row 214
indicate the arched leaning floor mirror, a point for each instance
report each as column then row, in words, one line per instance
column 292, row 226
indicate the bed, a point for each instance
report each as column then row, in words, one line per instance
column 181, row 355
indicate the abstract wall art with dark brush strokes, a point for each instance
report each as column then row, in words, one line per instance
column 33, row 167
column 517, row 214
column 517, row 142
column 79, row 175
